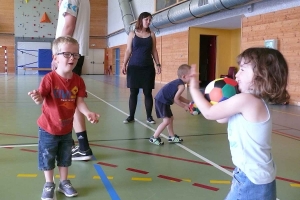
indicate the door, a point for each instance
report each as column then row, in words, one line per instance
column 117, row 61
column 88, row 63
column 98, row 62
column 207, row 61
column 94, row 62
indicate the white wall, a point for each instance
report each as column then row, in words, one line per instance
column 114, row 18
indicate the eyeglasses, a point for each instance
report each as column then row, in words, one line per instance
column 68, row 55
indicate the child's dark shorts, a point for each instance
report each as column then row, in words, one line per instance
column 53, row 147
column 163, row 110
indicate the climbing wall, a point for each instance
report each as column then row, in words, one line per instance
column 35, row 19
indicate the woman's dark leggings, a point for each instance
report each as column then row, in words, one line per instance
column 133, row 101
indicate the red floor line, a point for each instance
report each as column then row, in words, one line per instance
column 107, row 164
column 159, row 155
column 29, row 150
column 169, row 178
column 286, row 135
column 137, row 171
column 205, row 186
column 287, row 180
column 19, row 135
column 175, row 158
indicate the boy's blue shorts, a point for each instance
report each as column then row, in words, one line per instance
column 163, row 110
column 53, row 147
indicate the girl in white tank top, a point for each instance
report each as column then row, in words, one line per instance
column 262, row 78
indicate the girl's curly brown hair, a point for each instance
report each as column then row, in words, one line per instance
column 270, row 74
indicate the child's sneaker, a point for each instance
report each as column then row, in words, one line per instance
column 156, row 141
column 67, row 188
column 175, row 139
column 150, row 120
column 48, row 191
column 128, row 120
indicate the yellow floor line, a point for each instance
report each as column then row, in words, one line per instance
column 219, row 182
column 108, row 177
column 141, row 179
column 27, row 175
column 69, row 176
column 295, row 185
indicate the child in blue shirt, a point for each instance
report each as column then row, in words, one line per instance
column 166, row 96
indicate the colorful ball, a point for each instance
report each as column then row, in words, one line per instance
column 193, row 109
column 220, row 90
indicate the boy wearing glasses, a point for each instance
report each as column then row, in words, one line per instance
column 60, row 93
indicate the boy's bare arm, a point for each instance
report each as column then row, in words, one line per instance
column 36, row 96
column 178, row 98
column 182, row 99
column 82, row 107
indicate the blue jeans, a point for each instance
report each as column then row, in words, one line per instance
column 53, row 147
column 243, row 189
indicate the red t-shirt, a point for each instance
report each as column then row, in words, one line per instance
column 59, row 102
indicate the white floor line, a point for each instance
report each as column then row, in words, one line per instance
column 166, row 137
column 18, row 145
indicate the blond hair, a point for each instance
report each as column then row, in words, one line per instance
column 58, row 42
column 183, row 69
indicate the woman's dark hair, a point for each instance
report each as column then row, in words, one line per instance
column 139, row 22
column 270, row 74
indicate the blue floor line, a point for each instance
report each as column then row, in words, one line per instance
column 110, row 189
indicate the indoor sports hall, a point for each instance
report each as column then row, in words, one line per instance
column 125, row 165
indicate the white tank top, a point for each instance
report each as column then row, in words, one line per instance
column 250, row 146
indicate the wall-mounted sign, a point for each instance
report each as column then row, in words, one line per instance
column 271, row 43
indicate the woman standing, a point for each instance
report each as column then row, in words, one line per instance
column 139, row 55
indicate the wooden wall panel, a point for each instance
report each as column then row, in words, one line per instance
column 7, row 16
column 158, row 77
column 284, row 26
column 97, row 43
column 7, row 35
column 11, row 59
column 9, row 42
column 174, row 52
column 98, row 17
column 98, row 26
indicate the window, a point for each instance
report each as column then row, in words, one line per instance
column 162, row 4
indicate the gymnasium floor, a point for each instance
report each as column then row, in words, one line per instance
column 125, row 165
